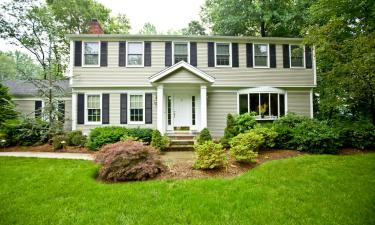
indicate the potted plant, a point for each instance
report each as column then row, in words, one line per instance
column 263, row 109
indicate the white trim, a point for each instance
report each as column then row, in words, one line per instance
column 143, row 54
column 314, row 63
column 159, row 109
column 230, row 54
column 268, row 56
column 185, row 65
column 71, row 63
column 143, row 107
column 115, row 91
column 303, row 55
column 286, row 102
column 74, row 111
column 188, row 49
column 87, row 122
column 83, row 53
column 203, row 109
column 264, row 89
column 311, row 104
column 38, row 98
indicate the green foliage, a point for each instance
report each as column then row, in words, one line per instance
column 76, row 138
column 269, row 135
column 158, row 141
column 100, row 136
column 7, row 107
column 244, row 147
column 18, row 65
column 128, row 138
column 245, row 122
column 204, row 136
column 209, row 155
column 141, row 134
column 58, row 142
column 358, row 134
column 194, row 28
column 148, row 28
column 229, row 131
column 26, row 132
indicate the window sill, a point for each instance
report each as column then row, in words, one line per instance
column 92, row 66
column 93, row 123
column 266, row 118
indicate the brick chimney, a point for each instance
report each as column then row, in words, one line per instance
column 95, row 27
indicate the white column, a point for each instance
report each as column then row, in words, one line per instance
column 203, row 107
column 160, row 116
column 74, row 111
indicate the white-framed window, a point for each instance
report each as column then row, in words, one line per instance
column 93, row 108
column 135, row 56
column 297, row 56
column 136, row 108
column 223, row 56
column 261, row 55
column 267, row 106
column 91, row 54
column 181, row 52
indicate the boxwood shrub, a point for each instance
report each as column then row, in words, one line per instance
column 100, row 136
column 210, row 155
column 244, row 147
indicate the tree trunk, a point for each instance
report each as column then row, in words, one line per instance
column 263, row 29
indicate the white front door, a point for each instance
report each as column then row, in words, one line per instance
column 182, row 110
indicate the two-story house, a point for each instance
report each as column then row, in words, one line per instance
column 186, row 83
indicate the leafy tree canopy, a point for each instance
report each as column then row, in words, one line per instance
column 18, row 66
column 148, row 28
column 194, row 28
column 7, row 108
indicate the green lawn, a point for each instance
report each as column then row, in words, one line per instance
column 317, row 189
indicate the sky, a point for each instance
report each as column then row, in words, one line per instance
column 164, row 14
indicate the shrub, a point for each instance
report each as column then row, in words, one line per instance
column 245, row 122
column 204, row 136
column 158, row 141
column 142, row 134
column 229, row 131
column 269, row 135
column 128, row 161
column 316, row 137
column 57, row 142
column 127, row 138
column 359, row 134
column 244, row 146
column 210, row 155
column 105, row 135
column 76, row 138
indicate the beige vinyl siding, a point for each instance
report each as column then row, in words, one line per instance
column 114, row 115
column 182, row 76
column 219, row 104
column 68, row 115
column 113, row 75
column 299, row 102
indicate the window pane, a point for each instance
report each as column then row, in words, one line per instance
column 91, row 48
column 264, row 104
column 135, row 48
column 193, row 110
column 136, row 108
column 178, row 58
column 254, row 103
column 134, row 59
column 169, row 110
column 274, row 105
column 261, row 60
column 282, row 105
column 222, row 49
column 222, row 60
column 244, row 104
column 296, row 56
column 180, row 49
column 91, row 59
column 93, row 101
column 260, row 55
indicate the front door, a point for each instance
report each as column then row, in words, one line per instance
column 182, row 111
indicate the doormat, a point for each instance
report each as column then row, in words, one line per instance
column 181, row 128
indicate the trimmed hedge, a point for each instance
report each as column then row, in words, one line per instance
column 244, row 147
column 210, row 155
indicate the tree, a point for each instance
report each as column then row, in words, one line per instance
column 342, row 32
column 7, row 67
column 194, row 28
column 7, row 108
column 148, row 28
column 284, row 18
column 117, row 25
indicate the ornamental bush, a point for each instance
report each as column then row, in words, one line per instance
column 358, row 134
column 245, row 122
column 76, row 138
column 244, row 147
column 141, row 134
column 57, row 142
column 128, row 161
column 105, row 135
column 158, row 141
column 209, row 155
column 204, row 136
column 229, row 131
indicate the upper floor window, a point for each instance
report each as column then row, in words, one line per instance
column 136, row 106
column 93, row 108
column 181, row 52
column 91, row 53
column 223, row 54
column 135, row 54
column 261, row 55
column 297, row 56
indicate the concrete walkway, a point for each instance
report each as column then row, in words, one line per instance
column 52, row 155
column 167, row 156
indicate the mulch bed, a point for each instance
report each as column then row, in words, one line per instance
column 45, row 148
column 183, row 170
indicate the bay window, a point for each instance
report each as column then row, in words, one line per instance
column 223, row 54
column 91, row 53
column 297, row 56
column 181, row 52
column 136, row 107
column 135, row 54
column 93, row 108
column 261, row 54
column 264, row 105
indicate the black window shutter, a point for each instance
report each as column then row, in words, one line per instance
column 308, row 57
column 249, row 54
column 61, row 110
column 193, row 53
column 211, row 54
column 148, row 53
column 78, row 53
column 148, row 108
column 168, row 53
column 81, row 109
column 103, row 53
column 38, row 109
column 105, row 108
column 272, row 55
column 286, row 62
column 235, row 55
column 122, row 54
column 124, row 108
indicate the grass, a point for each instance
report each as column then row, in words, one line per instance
column 311, row 189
